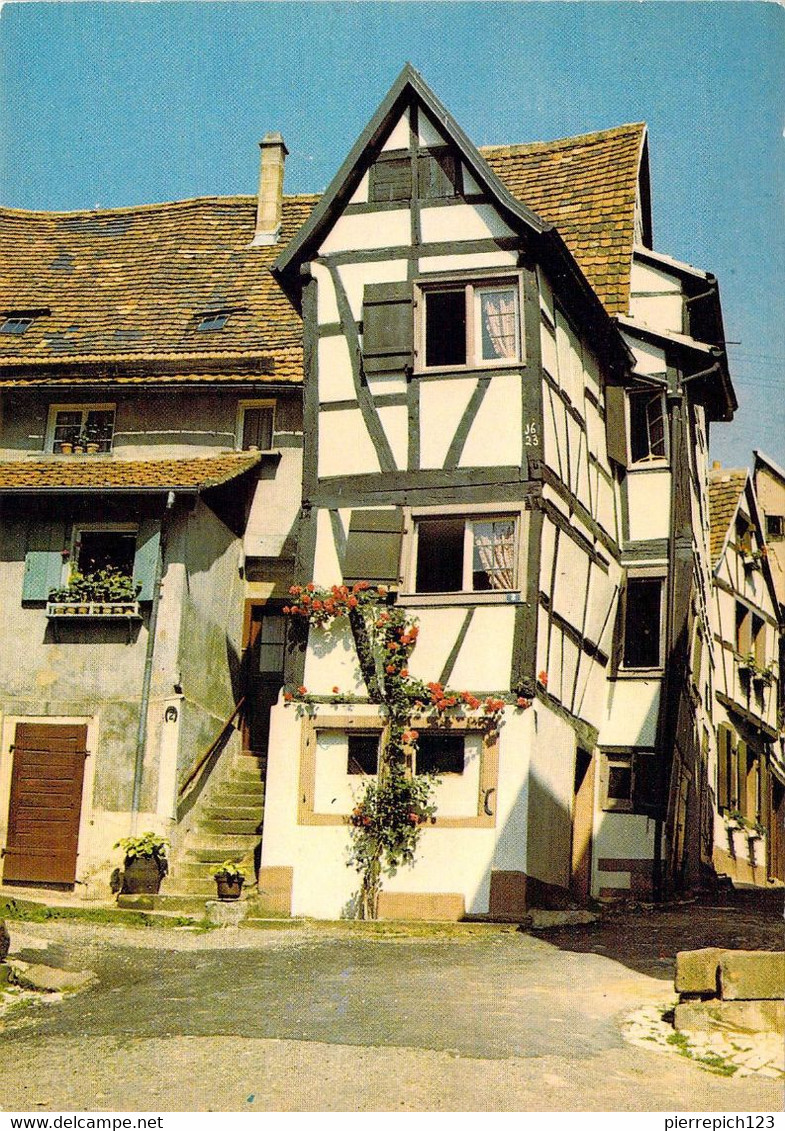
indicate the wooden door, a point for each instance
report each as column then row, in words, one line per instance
column 46, row 803
column 582, row 826
column 263, row 661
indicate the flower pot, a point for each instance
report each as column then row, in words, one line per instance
column 92, row 449
column 229, row 887
column 142, row 875
column 66, row 449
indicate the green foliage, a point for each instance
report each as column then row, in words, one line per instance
column 108, row 585
column 147, row 845
column 228, row 871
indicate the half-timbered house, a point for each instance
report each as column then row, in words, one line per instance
column 748, row 786
column 507, row 399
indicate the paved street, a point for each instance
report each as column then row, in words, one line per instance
column 332, row 1019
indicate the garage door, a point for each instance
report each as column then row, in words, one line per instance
column 46, row 803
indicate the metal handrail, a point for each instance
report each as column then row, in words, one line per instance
column 199, row 765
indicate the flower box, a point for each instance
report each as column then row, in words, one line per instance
column 92, row 609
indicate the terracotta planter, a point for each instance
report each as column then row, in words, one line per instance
column 66, row 449
column 229, row 888
column 142, row 875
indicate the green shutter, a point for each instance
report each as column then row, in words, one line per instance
column 616, row 423
column 43, row 561
column 723, row 766
column 388, row 330
column 373, row 548
column 741, row 770
column 147, row 542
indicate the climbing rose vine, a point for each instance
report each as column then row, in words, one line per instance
column 393, row 807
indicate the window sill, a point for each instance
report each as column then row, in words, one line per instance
column 474, row 369
column 640, row 673
column 465, row 597
column 93, row 610
column 650, row 465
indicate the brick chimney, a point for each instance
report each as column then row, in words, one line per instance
column 269, row 204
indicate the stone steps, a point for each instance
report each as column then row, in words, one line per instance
column 226, row 825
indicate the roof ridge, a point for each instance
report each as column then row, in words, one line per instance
column 128, row 209
column 564, row 142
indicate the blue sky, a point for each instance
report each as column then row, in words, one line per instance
column 114, row 104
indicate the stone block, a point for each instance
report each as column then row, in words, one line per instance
column 730, row 1016
column 433, row 906
column 226, row 913
column 752, row 975
column 696, row 970
column 275, row 889
column 49, row 979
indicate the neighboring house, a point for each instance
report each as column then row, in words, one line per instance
column 769, row 479
column 748, row 785
column 150, row 386
column 507, row 404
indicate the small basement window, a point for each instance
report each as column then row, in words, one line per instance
column 456, row 554
column 363, row 754
column 618, row 782
column 440, row 754
column 775, row 527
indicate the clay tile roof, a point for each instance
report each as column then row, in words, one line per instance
column 725, row 487
column 130, row 283
column 587, row 188
column 98, row 474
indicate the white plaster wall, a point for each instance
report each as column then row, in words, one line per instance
column 336, row 382
column 483, row 663
column 345, row 447
column 326, row 306
column 395, row 422
column 331, row 661
column 442, row 404
column 495, row 436
column 648, row 358
column 428, row 132
column 649, row 304
column 489, row 259
column 448, row 860
column 399, row 135
column 648, row 503
column 275, row 507
column 326, row 567
column 552, row 771
column 360, row 194
column 356, row 276
column 572, row 579
column 632, row 709
column 620, row 836
column 364, row 231
column 548, row 347
column 460, row 222
column 439, row 630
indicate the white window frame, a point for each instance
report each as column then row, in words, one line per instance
column 625, row 759
column 242, row 407
column 650, row 461
column 99, row 527
column 54, row 409
column 472, row 288
column 467, row 595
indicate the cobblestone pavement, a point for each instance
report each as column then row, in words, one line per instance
column 321, row 1018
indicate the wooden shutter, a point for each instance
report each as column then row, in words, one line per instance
column 616, row 423
column 723, row 767
column 147, row 543
column 388, row 330
column 741, row 780
column 373, row 548
column 390, row 179
column 43, row 561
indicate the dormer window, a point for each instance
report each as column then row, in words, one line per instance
column 214, row 320
column 16, row 324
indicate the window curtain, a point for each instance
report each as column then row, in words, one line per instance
column 494, row 551
column 497, row 314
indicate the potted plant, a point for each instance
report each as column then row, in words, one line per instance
column 734, row 819
column 145, row 863
column 229, row 880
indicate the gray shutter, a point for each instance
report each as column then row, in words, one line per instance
column 147, row 542
column 616, row 423
column 741, row 780
column 373, row 548
column 43, row 561
column 388, row 329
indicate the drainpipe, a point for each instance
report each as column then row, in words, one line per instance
column 147, row 678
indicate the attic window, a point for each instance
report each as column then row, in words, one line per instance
column 16, row 324
column 213, row 320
